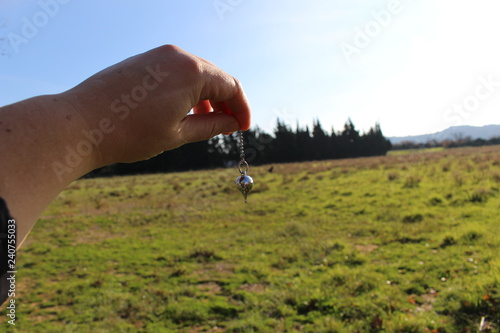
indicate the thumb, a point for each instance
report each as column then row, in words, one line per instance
column 198, row 127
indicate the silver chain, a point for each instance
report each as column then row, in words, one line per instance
column 242, row 155
column 242, row 148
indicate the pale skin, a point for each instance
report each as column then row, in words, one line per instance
column 140, row 106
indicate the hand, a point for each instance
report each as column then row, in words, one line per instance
column 147, row 98
column 131, row 111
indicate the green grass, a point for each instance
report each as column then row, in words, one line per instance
column 414, row 151
column 405, row 243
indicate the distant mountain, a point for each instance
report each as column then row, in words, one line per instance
column 452, row 133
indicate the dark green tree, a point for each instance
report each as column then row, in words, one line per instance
column 349, row 141
column 321, row 142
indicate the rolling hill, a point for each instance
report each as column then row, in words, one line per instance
column 452, row 133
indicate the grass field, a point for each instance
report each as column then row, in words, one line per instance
column 404, row 243
column 414, row 151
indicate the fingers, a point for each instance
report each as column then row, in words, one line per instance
column 226, row 98
column 198, row 127
column 226, row 95
column 202, row 107
column 220, row 107
column 219, row 104
column 206, row 106
column 240, row 107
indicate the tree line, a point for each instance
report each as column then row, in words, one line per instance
column 457, row 142
column 284, row 145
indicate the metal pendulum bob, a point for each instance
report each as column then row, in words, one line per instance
column 244, row 182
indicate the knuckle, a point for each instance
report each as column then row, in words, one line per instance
column 237, row 83
column 194, row 66
column 188, row 62
column 169, row 48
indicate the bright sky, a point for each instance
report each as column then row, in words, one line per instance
column 414, row 66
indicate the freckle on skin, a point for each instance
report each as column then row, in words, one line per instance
column 54, row 100
column 69, row 117
column 8, row 130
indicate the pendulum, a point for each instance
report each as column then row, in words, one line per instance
column 244, row 182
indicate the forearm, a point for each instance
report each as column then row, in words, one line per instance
column 41, row 152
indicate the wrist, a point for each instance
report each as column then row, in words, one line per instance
column 98, row 130
column 75, row 147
